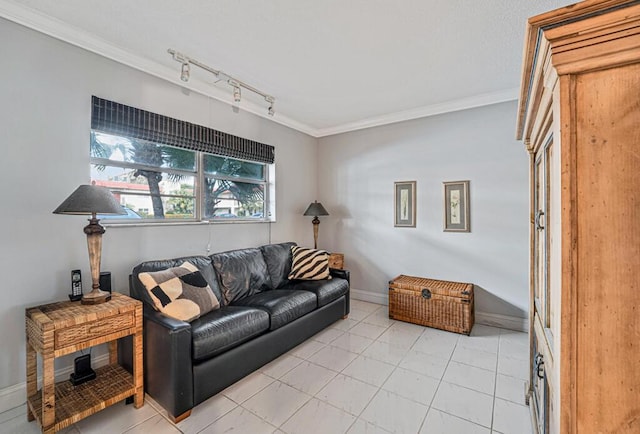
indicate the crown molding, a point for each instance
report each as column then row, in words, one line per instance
column 57, row 29
column 425, row 111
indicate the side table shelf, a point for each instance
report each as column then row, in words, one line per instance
column 73, row 403
column 56, row 329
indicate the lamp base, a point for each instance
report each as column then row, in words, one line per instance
column 96, row 297
column 316, row 226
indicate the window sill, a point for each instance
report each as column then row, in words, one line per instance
column 183, row 223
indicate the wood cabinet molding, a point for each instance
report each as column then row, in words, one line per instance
column 580, row 92
column 590, row 35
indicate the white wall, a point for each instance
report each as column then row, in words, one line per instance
column 45, row 95
column 356, row 175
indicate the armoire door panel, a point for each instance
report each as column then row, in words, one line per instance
column 581, row 87
column 539, row 265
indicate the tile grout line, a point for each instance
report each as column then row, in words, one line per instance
column 313, row 396
column 396, row 366
column 379, row 387
column 439, row 383
column 377, row 391
column 258, row 416
column 495, row 382
column 335, row 376
column 250, row 396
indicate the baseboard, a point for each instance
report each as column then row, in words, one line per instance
column 12, row 396
column 502, row 321
column 372, row 297
column 16, row 395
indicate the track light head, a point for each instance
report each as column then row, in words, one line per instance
column 236, row 93
column 271, row 100
column 186, row 70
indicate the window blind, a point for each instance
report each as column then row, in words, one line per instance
column 118, row 119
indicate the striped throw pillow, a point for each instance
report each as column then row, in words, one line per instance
column 309, row 264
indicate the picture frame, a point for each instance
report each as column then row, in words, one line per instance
column 404, row 204
column 456, row 206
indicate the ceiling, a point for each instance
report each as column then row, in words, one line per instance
column 332, row 65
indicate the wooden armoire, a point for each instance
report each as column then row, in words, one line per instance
column 579, row 118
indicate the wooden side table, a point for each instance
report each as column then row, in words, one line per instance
column 336, row 260
column 57, row 329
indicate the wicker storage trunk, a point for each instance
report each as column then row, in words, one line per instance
column 433, row 303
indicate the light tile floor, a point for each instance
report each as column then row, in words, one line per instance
column 367, row 374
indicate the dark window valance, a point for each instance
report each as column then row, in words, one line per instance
column 119, row 119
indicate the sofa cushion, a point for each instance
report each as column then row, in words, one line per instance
column 202, row 263
column 278, row 259
column 282, row 305
column 180, row 292
column 309, row 264
column 325, row 290
column 241, row 273
column 225, row 328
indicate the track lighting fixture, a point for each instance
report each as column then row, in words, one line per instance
column 271, row 102
column 220, row 76
column 236, row 92
column 186, row 69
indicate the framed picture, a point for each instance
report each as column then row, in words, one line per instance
column 456, row 206
column 405, row 204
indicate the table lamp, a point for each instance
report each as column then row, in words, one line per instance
column 315, row 209
column 92, row 200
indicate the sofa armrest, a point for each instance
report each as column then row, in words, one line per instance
column 343, row 274
column 168, row 369
column 171, row 324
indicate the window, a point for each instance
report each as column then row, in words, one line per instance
column 162, row 169
column 160, row 182
column 233, row 188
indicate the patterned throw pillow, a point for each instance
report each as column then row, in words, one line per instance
column 309, row 264
column 181, row 292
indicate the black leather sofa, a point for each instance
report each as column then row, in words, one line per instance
column 262, row 316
